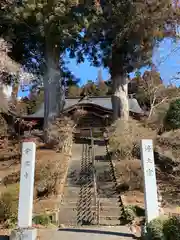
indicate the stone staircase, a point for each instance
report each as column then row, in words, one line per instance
column 68, row 208
column 109, row 206
column 109, row 212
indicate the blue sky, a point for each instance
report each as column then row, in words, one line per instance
column 166, row 57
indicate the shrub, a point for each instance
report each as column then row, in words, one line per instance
column 155, row 229
column 164, row 229
column 130, row 174
column 60, row 134
column 125, row 139
column 130, row 213
column 172, row 119
column 47, row 176
column 171, row 228
column 44, row 220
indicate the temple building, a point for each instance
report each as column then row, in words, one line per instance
column 98, row 109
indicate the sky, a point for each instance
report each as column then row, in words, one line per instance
column 166, row 57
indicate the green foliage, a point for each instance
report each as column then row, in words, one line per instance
column 172, row 119
column 31, row 25
column 130, row 214
column 121, row 35
column 44, row 220
column 171, row 228
column 155, row 229
column 164, row 229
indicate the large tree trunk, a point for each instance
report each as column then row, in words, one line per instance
column 120, row 102
column 53, row 88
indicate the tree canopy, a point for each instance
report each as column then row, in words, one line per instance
column 128, row 30
column 118, row 34
column 121, row 35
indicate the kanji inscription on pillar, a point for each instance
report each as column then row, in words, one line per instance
column 26, row 185
column 150, row 186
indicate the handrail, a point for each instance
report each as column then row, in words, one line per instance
column 96, row 200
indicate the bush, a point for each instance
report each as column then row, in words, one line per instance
column 171, row 228
column 60, row 134
column 172, row 119
column 125, row 140
column 129, row 174
column 47, row 177
column 155, row 229
column 44, row 220
column 164, row 229
column 130, row 213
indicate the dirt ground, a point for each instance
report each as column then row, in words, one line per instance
column 129, row 175
column 10, row 169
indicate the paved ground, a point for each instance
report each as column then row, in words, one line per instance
column 100, row 233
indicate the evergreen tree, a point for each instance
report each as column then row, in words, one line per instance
column 121, row 35
column 42, row 30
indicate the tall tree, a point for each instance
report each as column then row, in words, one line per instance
column 42, row 30
column 121, row 35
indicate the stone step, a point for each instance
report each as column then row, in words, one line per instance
column 68, row 216
column 109, row 222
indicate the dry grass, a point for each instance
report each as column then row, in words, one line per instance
column 9, row 205
column 156, row 121
column 51, row 166
column 50, row 169
column 125, row 140
column 169, row 142
column 130, row 175
column 49, row 172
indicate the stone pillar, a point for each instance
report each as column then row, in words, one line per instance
column 25, row 230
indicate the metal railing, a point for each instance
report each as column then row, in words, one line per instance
column 96, row 200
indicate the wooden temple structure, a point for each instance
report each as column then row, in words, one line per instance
column 98, row 111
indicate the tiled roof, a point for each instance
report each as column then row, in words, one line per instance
column 104, row 102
